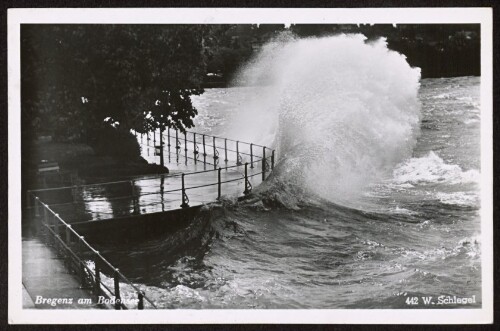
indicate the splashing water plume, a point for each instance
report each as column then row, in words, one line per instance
column 340, row 111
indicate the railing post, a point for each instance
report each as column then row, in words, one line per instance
column 184, row 196
column 263, row 163
column 177, row 142
column 45, row 214
column 219, row 184
column 40, row 221
column 168, row 135
column 132, row 187
column 140, row 304
column 116, row 279
column 185, row 142
column 215, row 154
column 238, row 153
column 225, row 150
column 135, row 199
column 83, row 274
column 272, row 160
column 246, row 180
column 51, row 217
column 81, row 245
column 204, row 151
column 57, row 225
column 162, row 159
column 251, row 156
column 37, row 207
column 57, row 239
column 97, row 283
column 68, row 234
column 195, row 152
column 51, row 222
column 185, row 148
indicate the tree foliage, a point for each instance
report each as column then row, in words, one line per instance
column 440, row 50
column 141, row 76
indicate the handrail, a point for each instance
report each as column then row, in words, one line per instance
column 157, row 192
column 99, row 260
column 217, row 137
column 81, row 263
column 139, row 179
column 208, row 145
column 183, row 155
column 69, row 230
column 170, row 191
column 165, row 175
column 162, row 200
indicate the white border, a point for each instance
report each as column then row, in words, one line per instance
column 251, row 15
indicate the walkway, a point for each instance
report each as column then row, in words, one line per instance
column 160, row 193
column 46, row 277
column 200, row 174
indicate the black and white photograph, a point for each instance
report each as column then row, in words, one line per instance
column 234, row 165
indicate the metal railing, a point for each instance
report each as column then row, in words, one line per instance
column 256, row 160
column 182, row 191
column 77, row 251
column 203, row 147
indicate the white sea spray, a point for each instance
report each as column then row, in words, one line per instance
column 340, row 111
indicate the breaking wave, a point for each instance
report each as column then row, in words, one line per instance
column 340, row 111
column 432, row 169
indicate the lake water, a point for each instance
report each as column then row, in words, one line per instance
column 413, row 232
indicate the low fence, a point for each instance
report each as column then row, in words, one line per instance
column 77, row 252
column 194, row 146
column 176, row 187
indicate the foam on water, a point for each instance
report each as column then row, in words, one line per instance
column 340, row 111
column 432, row 169
column 470, row 199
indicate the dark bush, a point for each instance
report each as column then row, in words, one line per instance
column 116, row 143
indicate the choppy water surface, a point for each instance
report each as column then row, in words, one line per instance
column 374, row 199
column 414, row 232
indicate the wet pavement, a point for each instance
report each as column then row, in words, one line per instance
column 47, row 283
column 44, row 274
column 159, row 193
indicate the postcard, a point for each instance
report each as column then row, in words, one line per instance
column 250, row 165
